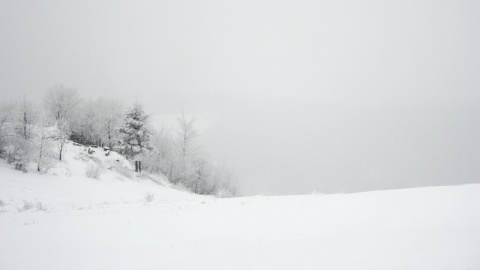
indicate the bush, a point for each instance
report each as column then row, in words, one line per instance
column 40, row 207
column 2, row 203
column 26, row 206
column 93, row 170
column 149, row 197
column 18, row 153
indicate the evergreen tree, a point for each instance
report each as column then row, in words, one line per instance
column 135, row 133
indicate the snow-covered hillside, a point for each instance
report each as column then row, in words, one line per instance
column 64, row 220
column 67, row 187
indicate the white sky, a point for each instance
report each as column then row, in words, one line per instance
column 301, row 95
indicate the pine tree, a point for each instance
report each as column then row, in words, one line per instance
column 135, row 133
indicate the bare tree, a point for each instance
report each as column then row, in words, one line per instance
column 17, row 122
column 87, row 122
column 43, row 147
column 61, row 103
column 111, row 117
column 62, row 137
column 162, row 157
column 188, row 133
column 27, row 118
column 7, row 112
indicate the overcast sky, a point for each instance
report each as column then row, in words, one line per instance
column 296, row 96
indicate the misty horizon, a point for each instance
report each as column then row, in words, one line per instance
column 294, row 97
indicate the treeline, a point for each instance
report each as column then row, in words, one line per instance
column 36, row 135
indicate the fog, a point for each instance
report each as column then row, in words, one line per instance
column 294, row 96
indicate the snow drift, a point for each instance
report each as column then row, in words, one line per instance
column 65, row 220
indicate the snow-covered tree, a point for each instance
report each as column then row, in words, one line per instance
column 62, row 136
column 178, row 158
column 19, row 153
column 110, row 120
column 45, row 156
column 187, row 135
column 7, row 112
column 98, row 122
column 87, row 122
column 41, row 147
column 22, row 145
column 26, row 118
column 135, row 133
column 162, row 157
column 17, row 132
column 61, row 103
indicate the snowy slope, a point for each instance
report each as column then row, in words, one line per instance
column 106, row 223
column 66, row 187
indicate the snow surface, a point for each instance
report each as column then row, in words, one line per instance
column 77, row 222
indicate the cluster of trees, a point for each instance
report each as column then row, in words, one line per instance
column 175, row 155
column 92, row 121
column 19, row 134
column 37, row 134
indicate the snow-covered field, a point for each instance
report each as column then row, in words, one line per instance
column 64, row 220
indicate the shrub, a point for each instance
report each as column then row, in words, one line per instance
column 149, row 197
column 26, row 206
column 93, row 170
column 18, row 153
column 40, row 207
